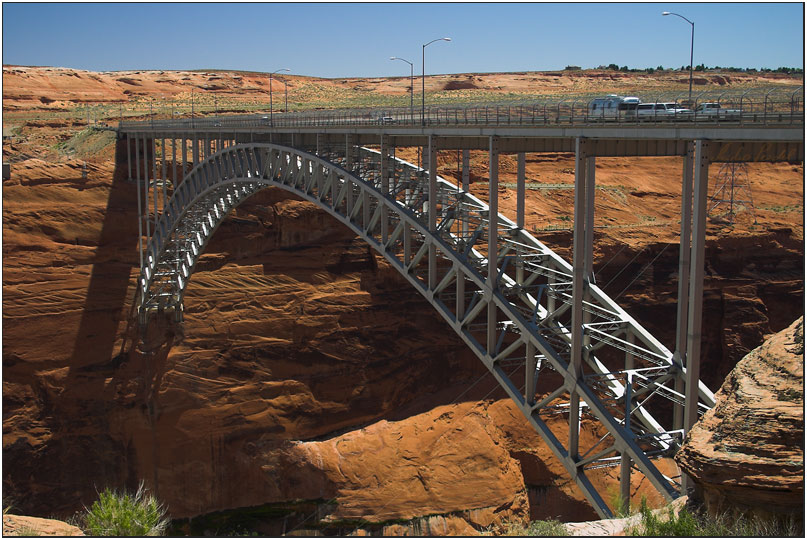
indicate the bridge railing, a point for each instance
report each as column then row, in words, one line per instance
column 749, row 107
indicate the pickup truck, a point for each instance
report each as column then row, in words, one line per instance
column 715, row 111
column 662, row 111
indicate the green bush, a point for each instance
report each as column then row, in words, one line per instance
column 124, row 514
column 687, row 523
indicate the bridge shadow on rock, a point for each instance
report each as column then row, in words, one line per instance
column 110, row 278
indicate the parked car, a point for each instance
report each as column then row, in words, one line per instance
column 715, row 111
column 662, row 111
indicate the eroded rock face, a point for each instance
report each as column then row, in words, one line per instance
column 33, row 526
column 747, row 453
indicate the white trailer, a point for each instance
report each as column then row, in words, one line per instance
column 612, row 107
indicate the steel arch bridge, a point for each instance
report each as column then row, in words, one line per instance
column 509, row 297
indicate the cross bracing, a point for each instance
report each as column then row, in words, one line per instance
column 508, row 296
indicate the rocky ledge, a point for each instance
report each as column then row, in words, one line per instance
column 747, row 453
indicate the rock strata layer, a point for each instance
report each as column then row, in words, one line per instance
column 747, row 453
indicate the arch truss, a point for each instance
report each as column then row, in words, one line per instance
column 509, row 297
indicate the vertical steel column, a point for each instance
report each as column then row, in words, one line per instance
column 695, row 314
column 520, row 189
column 385, row 173
column 195, row 153
column 466, row 169
column 460, row 300
column 493, row 239
column 129, row 156
column 348, row 152
column 139, row 205
column 154, row 179
column 165, row 173
column 625, row 461
column 529, row 375
column 174, row 163
column 679, row 357
column 578, row 291
column 146, row 190
column 589, row 238
column 184, row 155
column 432, row 210
column 466, row 177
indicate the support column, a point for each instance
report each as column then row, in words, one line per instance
column 589, row 224
column 625, row 461
column 348, row 152
column 520, row 189
column 679, row 357
column 493, row 238
column 146, row 190
column 129, row 156
column 432, row 149
column 139, row 204
column 184, row 155
column 578, row 291
column 695, row 313
column 195, row 153
column 174, row 163
column 165, row 173
column 466, row 169
column 529, row 377
column 466, row 176
column 385, row 174
column 154, row 179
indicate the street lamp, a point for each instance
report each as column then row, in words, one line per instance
column 691, row 50
column 423, row 93
column 411, row 86
column 271, row 119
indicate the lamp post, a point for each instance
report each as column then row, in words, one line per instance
column 271, row 119
column 411, row 86
column 423, row 88
column 691, row 50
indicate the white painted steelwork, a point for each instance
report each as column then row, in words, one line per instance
column 514, row 309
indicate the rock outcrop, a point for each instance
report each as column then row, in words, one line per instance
column 33, row 526
column 747, row 453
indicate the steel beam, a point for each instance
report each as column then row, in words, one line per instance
column 432, row 212
column 696, row 271
column 578, row 292
column 520, row 191
column 680, row 354
column 493, row 239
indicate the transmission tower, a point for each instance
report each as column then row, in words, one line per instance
column 732, row 192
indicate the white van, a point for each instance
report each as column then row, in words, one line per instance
column 611, row 107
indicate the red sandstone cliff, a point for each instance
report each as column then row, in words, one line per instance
column 307, row 369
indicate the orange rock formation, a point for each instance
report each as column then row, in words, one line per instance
column 307, row 369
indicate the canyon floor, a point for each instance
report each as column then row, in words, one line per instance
column 310, row 388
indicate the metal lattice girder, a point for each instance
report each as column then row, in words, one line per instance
column 515, row 316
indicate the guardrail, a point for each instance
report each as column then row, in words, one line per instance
column 750, row 108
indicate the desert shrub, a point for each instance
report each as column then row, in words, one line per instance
column 125, row 514
column 697, row 523
column 535, row 528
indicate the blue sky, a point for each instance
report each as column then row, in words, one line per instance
column 339, row 40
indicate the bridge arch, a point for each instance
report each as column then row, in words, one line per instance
column 516, row 320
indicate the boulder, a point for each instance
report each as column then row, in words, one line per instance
column 747, row 453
